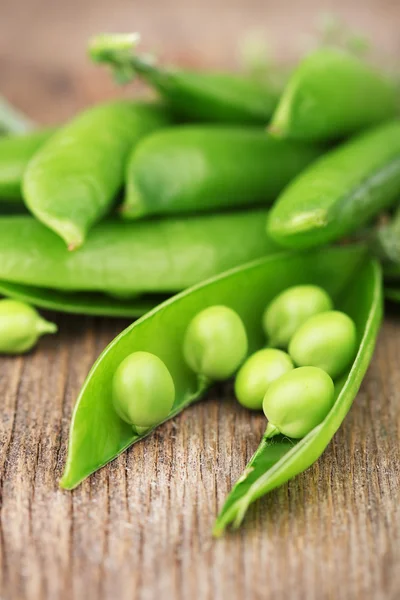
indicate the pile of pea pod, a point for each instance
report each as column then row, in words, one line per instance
column 252, row 229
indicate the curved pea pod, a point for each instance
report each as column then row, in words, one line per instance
column 341, row 191
column 122, row 259
column 193, row 95
column 72, row 181
column 333, row 94
column 15, row 153
column 97, row 433
column 83, row 303
column 279, row 459
column 198, row 168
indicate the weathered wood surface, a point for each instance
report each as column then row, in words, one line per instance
column 140, row 528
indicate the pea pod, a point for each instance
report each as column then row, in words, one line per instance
column 196, row 168
column 73, row 179
column 12, row 120
column 193, row 95
column 279, row 459
column 15, row 153
column 84, row 303
column 98, row 435
column 333, row 94
column 131, row 258
column 341, row 191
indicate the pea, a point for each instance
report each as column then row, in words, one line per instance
column 290, row 309
column 143, row 390
column 298, row 401
column 215, row 343
column 257, row 373
column 327, row 341
column 20, row 327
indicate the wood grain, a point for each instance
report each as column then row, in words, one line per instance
column 140, row 528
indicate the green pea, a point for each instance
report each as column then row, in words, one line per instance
column 143, row 391
column 298, row 401
column 215, row 343
column 327, row 341
column 257, row 373
column 290, row 309
column 20, row 327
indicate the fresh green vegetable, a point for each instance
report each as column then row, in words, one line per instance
column 15, row 153
column 143, row 391
column 327, row 340
column 73, row 179
column 257, row 373
column 131, row 258
column 333, row 94
column 12, row 120
column 198, row 96
column 341, row 191
column 20, row 327
column 197, row 168
column 98, row 435
column 85, row 303
column 297, row 402
column 215, row 343
column 292, row 308
column 281, row 458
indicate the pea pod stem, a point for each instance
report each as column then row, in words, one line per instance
column 271, row 431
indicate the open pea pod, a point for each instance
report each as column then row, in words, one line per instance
column 84, row 303
column 98, row 435
column 279, row 459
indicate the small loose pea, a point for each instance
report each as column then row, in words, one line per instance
column 298, row 401
column 20, row 327
column 290, row 309
column 327, row 341
column 215, row 343
column 143, row 391
column 257, row 373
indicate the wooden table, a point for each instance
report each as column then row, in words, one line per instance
column 140, row 528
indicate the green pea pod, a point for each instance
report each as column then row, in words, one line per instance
column 73, row 179
column 15, row 153
column 197, row 168
column 279, row 459
column 333, row 94
column 192, row 95
column 341, row 191
column 12, row 120
column 120, row 258
column 98, row 435
column 84, row 303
